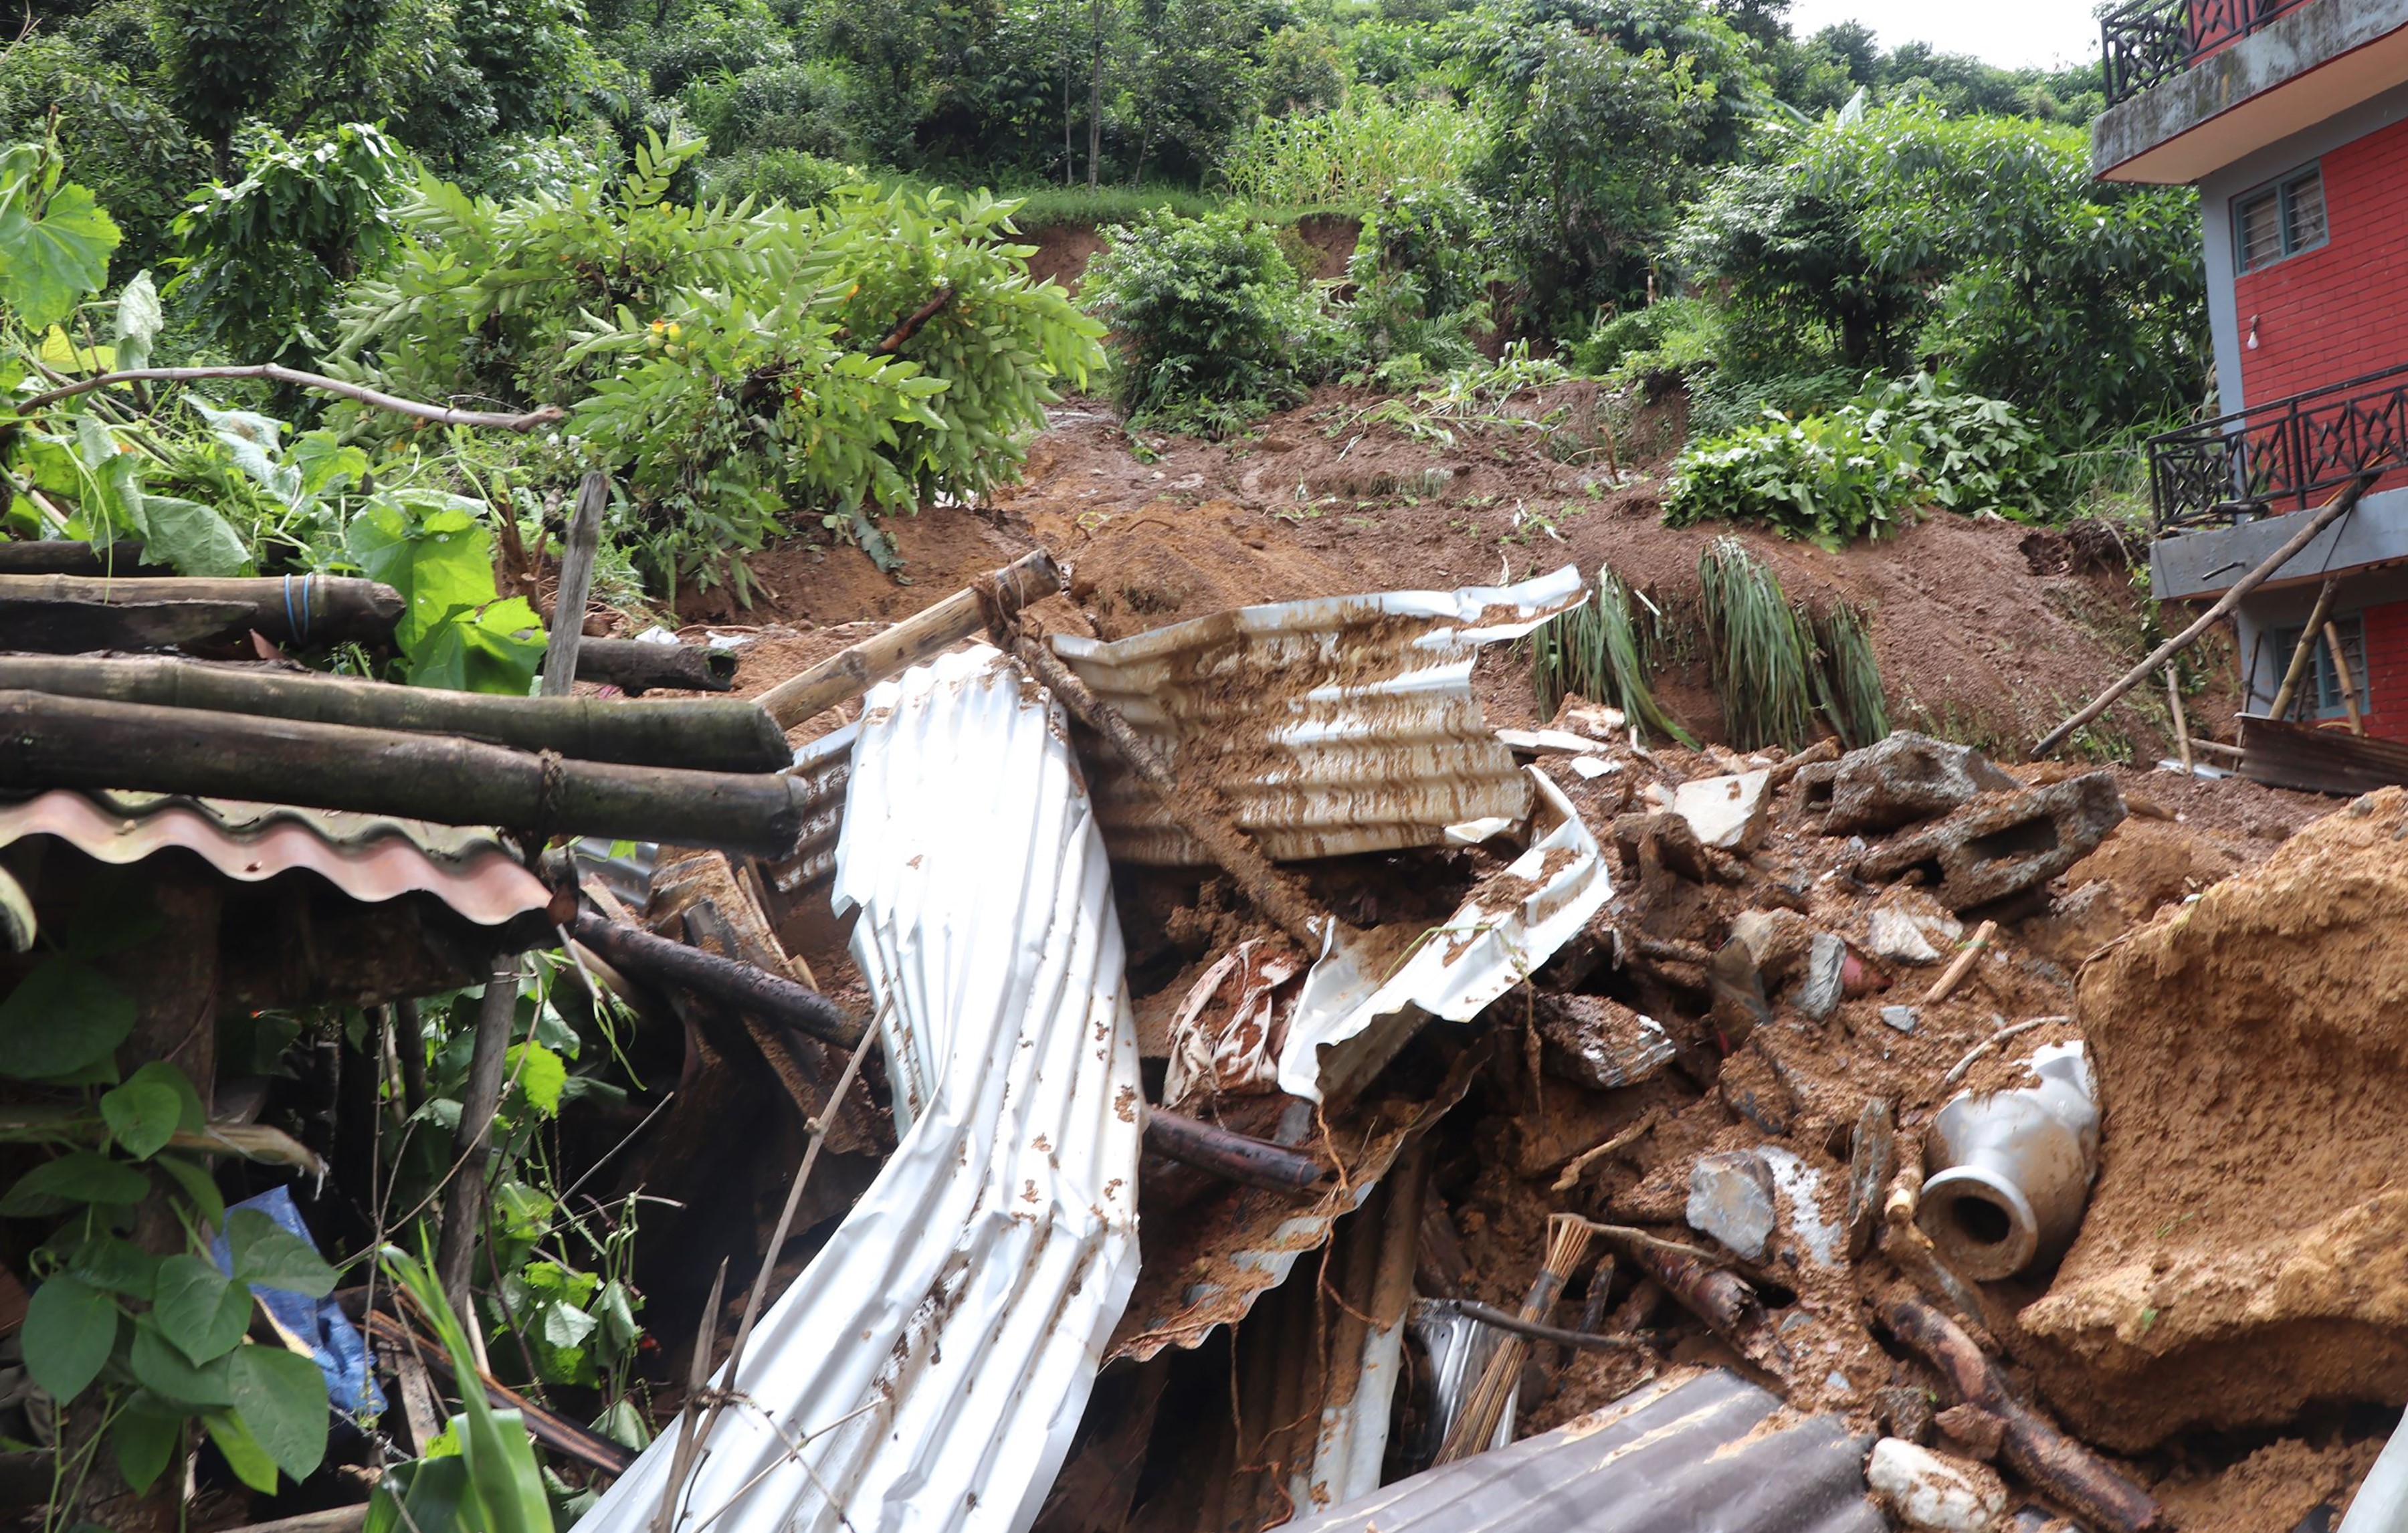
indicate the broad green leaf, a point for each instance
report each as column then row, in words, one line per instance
column 49, row 264
column 268, row 1255
column 60, row 1017
column 566, row 1325
column 70, row 1328
column 159, row 1072
column 67, row 357
column 281, row 1398
column 539, row 1074
column 252, row 441
column 500, row 1456
column 615, row 1308
column 142, row 1115
column 192, row 536
column 243, row 1453
column 198, row 1307
column 143, row 1442
column 115, row 1263
column 431, row 548
column 433, row 1490
column 138, row 319
column 81, row 1176
column 198, row 1184
column 166, row 1371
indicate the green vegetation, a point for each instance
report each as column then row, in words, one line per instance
column 1593, row 651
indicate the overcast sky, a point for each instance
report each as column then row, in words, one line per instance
column 2010, row 32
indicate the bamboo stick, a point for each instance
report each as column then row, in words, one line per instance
column 2340, row 674
column 74, row 627
column 289, row 608
column 737, row 985
column 2304, row 652
column 698, row 733
column 2182, row 723
column 472, row 1143
column 1237, row 1157
column 70, row 742
column 72, row 557
column 1954, row 975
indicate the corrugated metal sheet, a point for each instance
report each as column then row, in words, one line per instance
column 1335, row 725
column 930, row 1367
column 2282, row 754
column 1681, row 1452
column 1504, row 930
column 369, row 857
column 825, row 765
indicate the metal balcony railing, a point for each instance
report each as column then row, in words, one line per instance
column 2149, row 39
column 2279, row 456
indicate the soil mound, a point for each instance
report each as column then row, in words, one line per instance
column 2246, row 1248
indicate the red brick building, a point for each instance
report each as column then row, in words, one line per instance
column 2291, row 117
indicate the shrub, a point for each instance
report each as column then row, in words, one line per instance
column 1420, row 278
column 1211, row 323
column 787, row 176
column 786, row 106
column 1824, row 480
column 1762, row 652
column 1973, row 453
column 1594, row 649
column 1353, row 155
column 1658, row 344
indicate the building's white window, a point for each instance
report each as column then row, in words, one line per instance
column 2280, row 220
column 2319, row 693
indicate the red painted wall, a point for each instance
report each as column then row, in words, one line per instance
column 2386, row 686
column 2341, row 309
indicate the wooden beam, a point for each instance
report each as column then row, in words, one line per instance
column 576, row 582
column 739, row 986
column 634, row 667
column 290, row 609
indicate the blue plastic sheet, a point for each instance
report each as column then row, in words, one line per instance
column 343, row 1356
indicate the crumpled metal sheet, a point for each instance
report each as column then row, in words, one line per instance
column 1335, row 726
column 1505, row 928
column 933, row 1362
column 825, row 765
column 369, row 857
column 1682, row 1451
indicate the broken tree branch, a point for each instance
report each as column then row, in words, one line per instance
column 1237, row 1157
column 912, row 322
column 633, row 666
column 696, row 733
column 289, row 608
column 1488, row 1315
column 472, row 1143
column 70, row 743
column 2337, row 508
column 737, row 985
column 2058, row 1467
column 584, row 542
column 441, row 415
column 850, row 672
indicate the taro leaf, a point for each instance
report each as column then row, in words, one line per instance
column 70, row 1328
column 164, row 1370
column 431, row 548
column 566, row 1325
column 243, row 1454
column 198, row 1307
column 252, row 441
column 199, row 1186
column 115, row 1263
column 143, row 1442
column 267, row 1253
column 281, row 1396
column 189, row 1117
column 49, row 263
column 80, row 1176
column 142, row 1115
column 138, row 319
column 191, row 536
column 63, row 1015
column 494, row 648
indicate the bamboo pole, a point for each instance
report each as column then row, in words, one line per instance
column 70, row 743
column 576, row 583
column 850, row 672
column 2338, row 507
column 2182, row 723
column 72, row 627
column 2304, row 652
column 72, row 556
column 1237, row 1157
column 739, row 986
column 289, row 608
column 2340, row 674
column 698, row 733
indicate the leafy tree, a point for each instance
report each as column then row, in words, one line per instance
column 114, row 136
column 223, row 61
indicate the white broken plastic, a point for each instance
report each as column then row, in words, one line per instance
column 1593, row 767
column 1500, row 935
column 1728, row 813
column 1538, row 742
column 933, row 1360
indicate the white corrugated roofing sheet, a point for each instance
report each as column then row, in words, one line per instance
column 927, row 1371
column 1335, row 726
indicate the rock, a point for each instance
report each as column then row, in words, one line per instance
column 1901, row 1017
column 1777, row 940
column 1728, row 813
column 1730, row 1198
column 1929, row 1490
column 1667, row 839
column 1797, row 1189
column 1827, row 969
column 1905, row 1411
column 1905, row 935
column 2002, row 846
column 1598, row 1042
column 1898, row 782
column 1973, row 1430
column 1736, row 990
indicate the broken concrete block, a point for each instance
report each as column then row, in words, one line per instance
column 1991, row 850
column 1728, row 813
column 1598, row 1042
column 1827, row 969
column 1730, row 1198
column 1901, row 1017
column 1675, row 847
column 1927, row 1490
column 1777, row 940
column 1898, row 782
column 1909, row 937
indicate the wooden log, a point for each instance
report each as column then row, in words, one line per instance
column 79, row 627
column 634, row 667
column 472, row 1141
column 289, row 608
column 850, row 672
column 72, row 556
column 1488, row 1315
column 576, row 584
column 71, row 742
column 2304, row 652
column 2338, row 507
column 2058, row 1467
column 739, row 986
column 698, row 733
column 1255, row 1163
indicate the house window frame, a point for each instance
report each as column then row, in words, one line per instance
column 2320, row 675
column 2280, row 189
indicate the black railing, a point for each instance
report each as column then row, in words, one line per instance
column 2150, row 40
column 2278, row 457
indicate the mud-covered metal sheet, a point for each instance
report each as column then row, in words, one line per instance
column 1335, row 726
column 928, row 1369
column 371, row 857
column 825, row 765
column 1350, row 1018
column 1682, row 1451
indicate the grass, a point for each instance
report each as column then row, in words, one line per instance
column 1849, row 679
column 1593, row 651
column 1761, row 652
